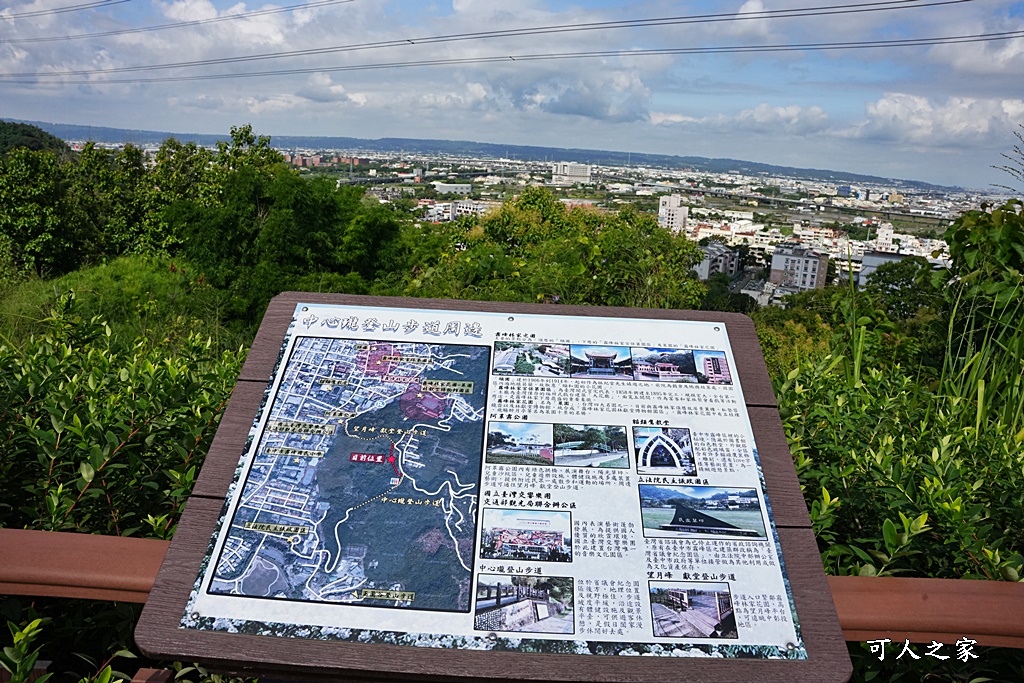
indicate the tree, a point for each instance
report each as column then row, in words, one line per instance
column 33, row 214
column 523, row 366
column 25, row 136
column 594, row 437
column 903, row 287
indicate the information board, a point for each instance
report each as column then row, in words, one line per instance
column 502, row 491
column 482, row 480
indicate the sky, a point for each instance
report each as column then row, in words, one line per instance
column 937, row 113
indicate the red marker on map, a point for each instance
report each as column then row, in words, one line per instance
column 393, row 461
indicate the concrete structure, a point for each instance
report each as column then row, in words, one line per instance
column 672, row 213
column 568, row 173
column 884, row 237
column 718, row 258
column 453, row 188
column 798, row 268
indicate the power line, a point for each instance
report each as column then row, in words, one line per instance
column 179, row 24
column 736, row 49
column 63, row 10
column 826, row 10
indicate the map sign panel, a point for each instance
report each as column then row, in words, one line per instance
column 489, row 481
column 363, row 486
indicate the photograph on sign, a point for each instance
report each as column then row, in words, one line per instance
column 524, row 604
column 700, row 511
column 457, row 479
column 600, row 362
column 520, row 443
column 531, row 360
column 526, row 535
column 591, row 446
column 692, row 610
column 664, row 450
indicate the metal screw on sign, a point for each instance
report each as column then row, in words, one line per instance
column 718, row 329
column 790, row 646
column 305, row 308
column 511, row 318
column 492, row 637
column 195, row 615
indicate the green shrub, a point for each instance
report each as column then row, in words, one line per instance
column 156, row 298
column 105, row 441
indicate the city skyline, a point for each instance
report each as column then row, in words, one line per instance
column 940, row 113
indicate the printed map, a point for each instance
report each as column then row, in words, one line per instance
column 364, row 484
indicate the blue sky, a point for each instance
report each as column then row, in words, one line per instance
column 940, row 113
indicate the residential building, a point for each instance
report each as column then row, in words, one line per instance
column 798, row 268
column 871, row 261
column 672, row 213
column 718, row 258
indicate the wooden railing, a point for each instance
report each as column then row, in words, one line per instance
column 71, row 565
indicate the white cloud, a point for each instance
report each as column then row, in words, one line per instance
column 790, row 120
column 958, row 121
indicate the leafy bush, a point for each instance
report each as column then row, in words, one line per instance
column 105, row 441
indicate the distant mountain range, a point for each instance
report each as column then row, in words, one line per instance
column 487, row 149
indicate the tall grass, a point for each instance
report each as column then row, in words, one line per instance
column 984, row 361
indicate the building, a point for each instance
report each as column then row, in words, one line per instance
column 672, row 213
column 717, row 370
column 884, row 237
column 718, row 258
column 453, row 188
column 798, row 268
column 568, row 173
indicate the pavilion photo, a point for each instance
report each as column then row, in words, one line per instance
column 590, row 446
column 519, row 443
column 664, row 365
column 701, row 512
column 600, row 362
column 664, row 450
column 692, row 609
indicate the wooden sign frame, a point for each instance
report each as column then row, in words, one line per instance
column 159, row 634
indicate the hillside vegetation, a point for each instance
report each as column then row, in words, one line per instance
column 129, row 292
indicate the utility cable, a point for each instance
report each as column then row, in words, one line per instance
column 826, row 10
column 178, row 24
column 740, row 49
column 63, row 10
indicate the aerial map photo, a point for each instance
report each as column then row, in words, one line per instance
column 364, row 485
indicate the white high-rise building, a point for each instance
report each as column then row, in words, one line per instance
column 883, row 241
column 672, row 213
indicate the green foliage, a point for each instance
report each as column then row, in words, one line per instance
column 34, row 214
column 23, row 135
column 719, row 298
column 18, row 660
column 137, row 296
column 987, row 251
column 534, row 249
column 98, row 440
column 904, row 287
column 863, row 430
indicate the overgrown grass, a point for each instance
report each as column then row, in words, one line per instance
column 147, row 297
